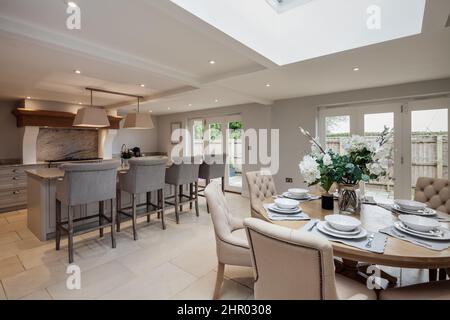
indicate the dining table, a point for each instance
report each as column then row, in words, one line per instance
column 397, row 253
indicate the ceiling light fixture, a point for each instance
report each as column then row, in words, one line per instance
column 142, row 85
column 91, row 117
column 72, row 4
column 356, row 69
column 212, row 62
column 80, row 103
column 77, row 71
column 190, row 105
column 28, row 98
column 268, row 85
column 138, row 120
column 217, row 100
column 168, row 108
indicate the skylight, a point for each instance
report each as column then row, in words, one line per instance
column 307, row 29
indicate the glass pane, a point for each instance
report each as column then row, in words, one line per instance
column 235, row 154
column 429, row 155
column 337, row 128
column 374, row 125
column 197, row 138
column 215, row 138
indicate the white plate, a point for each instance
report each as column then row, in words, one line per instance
column 435, row 233
column 419, row 223
column 426, row 212
column 286, row 204
column 327, row 226
column 291, row 196
column 274, row 208
column 321, row 228
column 342, row 222
column 298, row 192
column 445, row 237
column 410, row 205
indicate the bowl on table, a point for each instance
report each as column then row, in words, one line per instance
column 342, row 223
column 410, row 205
column 297, row 192
column 419, row 223
column 284, row 203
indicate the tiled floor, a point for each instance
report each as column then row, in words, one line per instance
column 178, row 263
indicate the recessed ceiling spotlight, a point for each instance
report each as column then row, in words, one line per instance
column 217, row 100
column 77, row 71
column 151, row 111
column 72, row 4
column 142, row 85
column 212, row 62
column 80, row 103
column 190, row 105
column 168, row 108
column 28, row 98
column 356, row 69
column 268, row 85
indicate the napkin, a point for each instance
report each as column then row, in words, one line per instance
column 437, row 245
column 378, row 242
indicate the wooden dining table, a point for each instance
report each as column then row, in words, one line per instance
column 398, row 253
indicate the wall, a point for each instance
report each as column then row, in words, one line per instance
column 10, row 135
column 147, row 140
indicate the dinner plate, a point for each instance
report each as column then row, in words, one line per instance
column 321, row 228
column 327, row 226
column 436, row 232
column 445, row 236
column 426, row 213
column 291, row 196
column 274, row 208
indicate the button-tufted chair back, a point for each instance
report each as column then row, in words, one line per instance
column 434, row 192
column 261, row 187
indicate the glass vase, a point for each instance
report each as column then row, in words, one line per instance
column 349, row 201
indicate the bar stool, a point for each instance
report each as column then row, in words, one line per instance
column 184, row 171
column 144, row 176
column 84, row 184
column 213, row 167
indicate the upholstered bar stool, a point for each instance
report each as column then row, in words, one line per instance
column 84, row 184
column 213, row 167
column 183, row 171
column 145, row 175
column 436, row 194
column 261, row 187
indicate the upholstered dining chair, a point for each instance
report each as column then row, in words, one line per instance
column 436, row 194
column 261, row 187
column 231, row 241
column 293, row 264
column 84, row 184
column 213, row 167
column 436, row 290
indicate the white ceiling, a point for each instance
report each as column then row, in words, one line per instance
column 124, row 43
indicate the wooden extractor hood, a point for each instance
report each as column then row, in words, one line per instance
column 53, row 119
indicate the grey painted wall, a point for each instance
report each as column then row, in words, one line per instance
column 10, row 135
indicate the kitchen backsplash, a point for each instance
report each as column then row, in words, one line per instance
column 56, row 144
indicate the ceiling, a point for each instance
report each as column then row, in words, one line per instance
column 123, row 44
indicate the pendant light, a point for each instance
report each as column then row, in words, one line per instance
column 138, row 120
column 91, row 117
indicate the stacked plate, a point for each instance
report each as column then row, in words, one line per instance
column 413, row 207
column 341, row 226
column 297, row 194
column 422, row 227
column 285, row 206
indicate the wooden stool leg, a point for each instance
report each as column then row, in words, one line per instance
column 191, row 192
column 223, row 185
column 181, row 197
column 207, row 181
column 118, row 208
column 149, row 199
column 161, row 206
column 442, row 274
column 70, row 235
column 219, row 280
column 101, row 211
column 196, row 199
column 58, row 224
column 134, row 217
column 113, row 223
column 432, row 275
column 177, row 215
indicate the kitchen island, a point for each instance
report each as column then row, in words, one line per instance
column 42, row 202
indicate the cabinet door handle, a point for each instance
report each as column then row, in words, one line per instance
column 16, row 192
column 14, row 178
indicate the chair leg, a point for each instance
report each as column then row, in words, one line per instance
column 101, row 211
column 161, row 206
column 113, row 223
column 180, row 195
column 223, row 185
column 118, row 208
column 219, row 280
column 58, row 224
column 442, row 274
column 196, row 198
column 134, row 217
column 177, row 214
column 432, row 275
column 191, row 192
column 149, row 199
column 70, row 235
column 207, row 181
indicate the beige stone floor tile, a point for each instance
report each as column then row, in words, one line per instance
column 38, row 295
column 197, row 261
column 3, row 221
column 242, row 275
column 19, row 217
column 32, row 280
column 94, row 282
column 43, row 254
column 2, row 292
column 203, row 289
column 10, row 266
column 15, row 226
column 10, row 214
column 160, row 283
column 26, row 233
column 9, row 237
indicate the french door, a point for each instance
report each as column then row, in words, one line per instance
column 418, row 146
column 218, row 135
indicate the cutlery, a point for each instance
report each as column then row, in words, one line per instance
column 370, row 240
column 313, row 225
